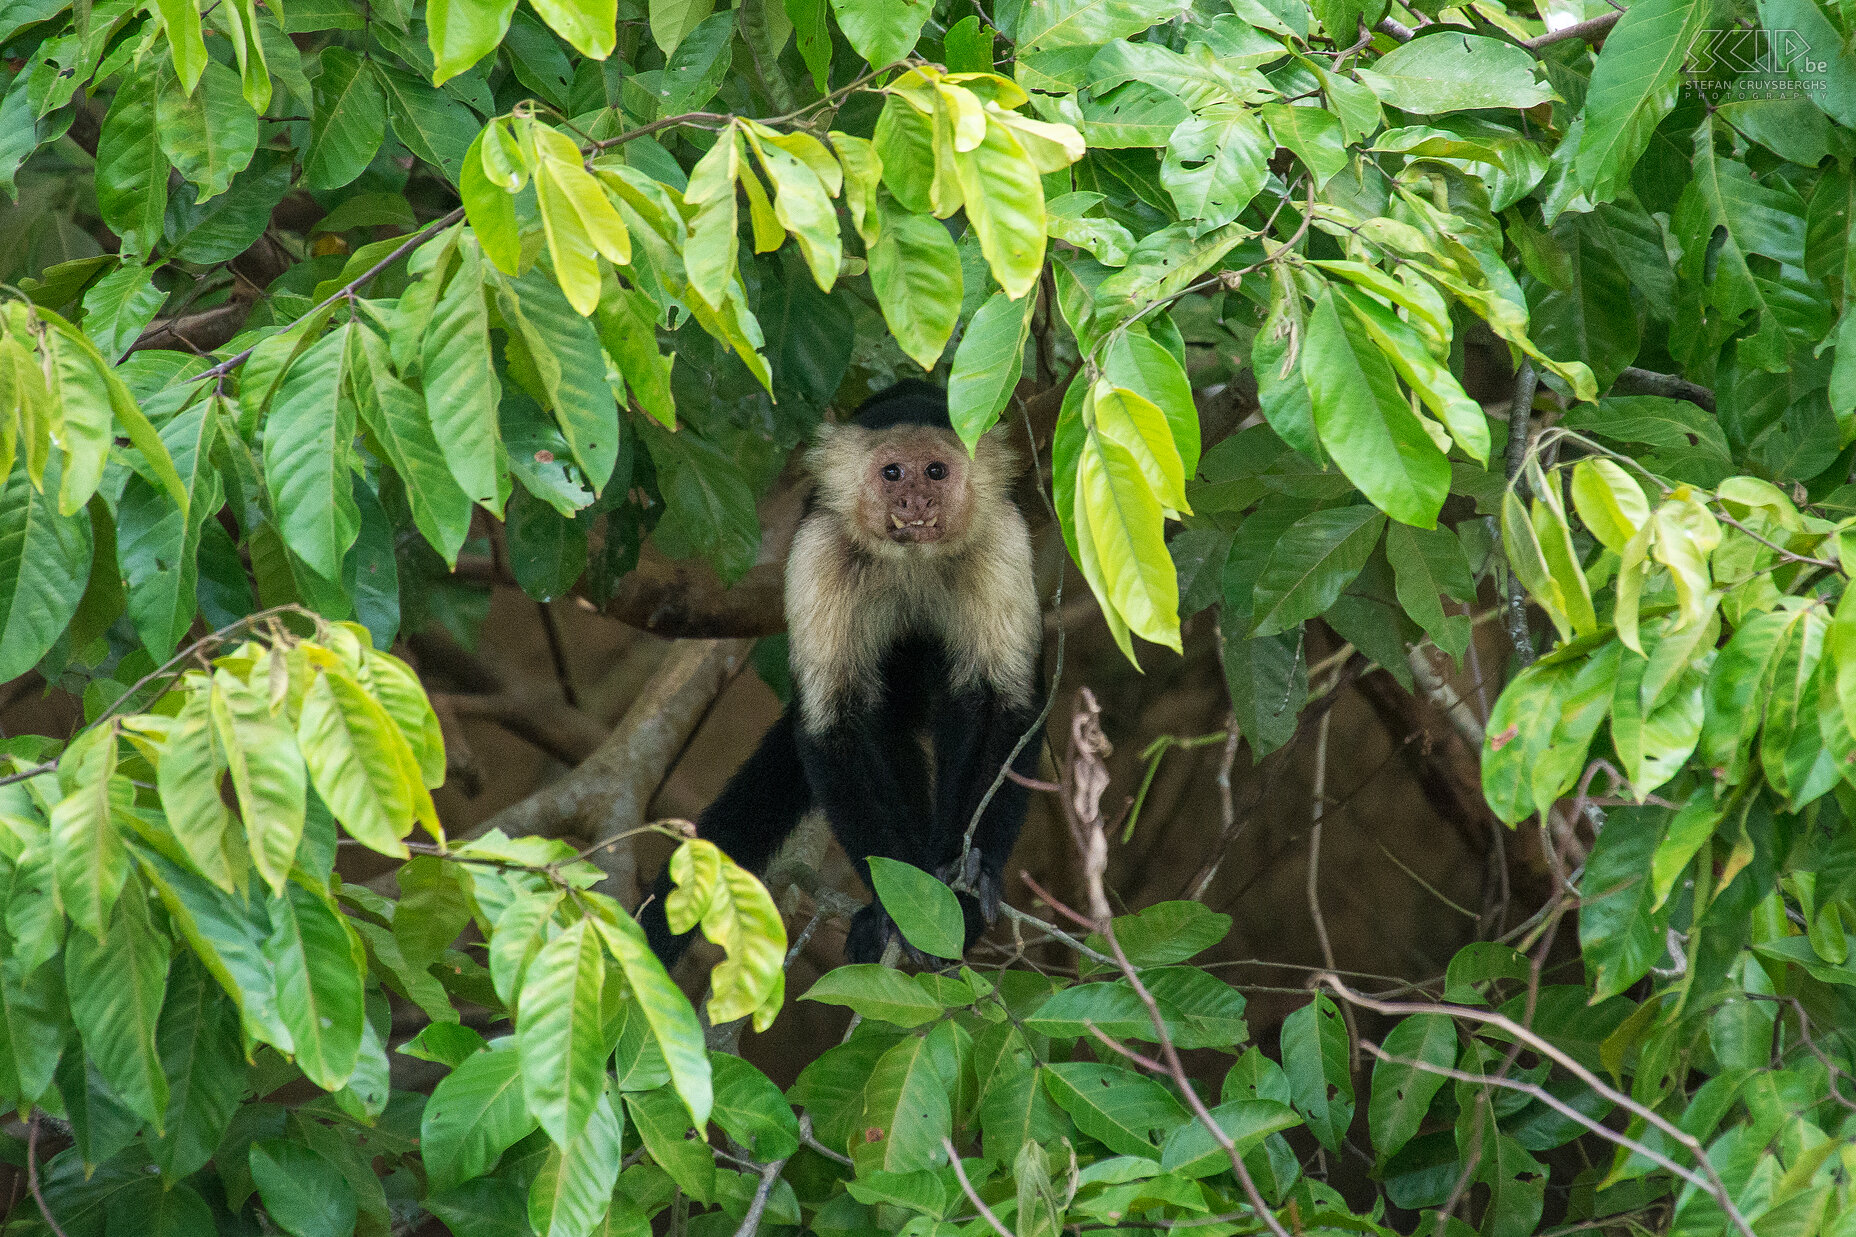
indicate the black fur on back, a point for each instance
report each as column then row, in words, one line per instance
column 909, row 402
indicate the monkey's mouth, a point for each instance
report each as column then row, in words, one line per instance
column 914, row 531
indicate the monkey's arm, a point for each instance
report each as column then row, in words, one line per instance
column 976, row 734
column 761, row 805
column 872, row 782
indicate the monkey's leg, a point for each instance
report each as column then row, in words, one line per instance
column 974, row 737
column 872, row 781
column 761, row 805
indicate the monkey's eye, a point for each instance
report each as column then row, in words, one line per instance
column 937, row 471
column 892, row 472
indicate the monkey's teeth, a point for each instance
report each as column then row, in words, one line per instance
column 932, row 519
column 898, row 520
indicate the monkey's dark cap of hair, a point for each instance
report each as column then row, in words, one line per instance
column 909, row 402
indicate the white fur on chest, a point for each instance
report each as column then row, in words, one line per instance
column 847, row 608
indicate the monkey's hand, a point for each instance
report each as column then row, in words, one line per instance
column 871, row 932
column 977, row 877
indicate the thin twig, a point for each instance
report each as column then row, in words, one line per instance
column 1551, row 1101
column 344, row 292
column 750, row 1223
column 1546, row 1048
column 32, row 1173
column 1177, row 1072
column 1012, row 912
column 808, row 1138
column 557, row 653
column 1314, row 837
column 1526, row 382
column 973, row 1195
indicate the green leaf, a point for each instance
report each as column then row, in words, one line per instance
column 1365, row 422
column 180, row 20
column 431, row 124
column 357, row 761
column 1402, row 1089
column 476, row 1113
column 132, row 171
column 1074, row 23
column 1215, row 163
column 87, row 846
column 1520, row 727
column 1451, row 71
column 673, row 20
column 396, row 416
column 119, row 307
column 349, row 123
column 664, row 1128
column 1825, row 82
column 320, row 970
column 1315, row 1057
column 591, row 27
column 1140, row 363
column 115, row 983
column 1125, row 525
column 578, row 221
column 877, row 992
column 490, row 209
column 44, row 561
column 1125, row 1111
column 1422, row 371
column 208, row 134
column 736, row 913
column 443, row 1043
column 1137, row 425
column 1166, row 932
column 573, row 1188
column 36, row 1025
column 752, row 1111
column 627, row 323
column 1191, row 1151
column 1136, row 114
column 882, row 31
column 925, row 910
column 307, row 442
column 667, row 1013
column 708, row 502
column 813, row 38
column 915, row 273
column 1318, row 557
column 566, row 354
column 1633, row 86
column 1620, row 935
column 303, row 1193
column 906, row 1113
column 1312, row 134
column 461, row 386
column 1428, row 563
column 696, row 69
column 197, row 1039
column 558, row 1034
column 1005, row 205
column 188, row 773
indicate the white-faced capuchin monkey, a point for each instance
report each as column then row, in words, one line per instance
column 916, row 656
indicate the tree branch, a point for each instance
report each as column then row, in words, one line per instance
column 1649, row 382
column 614, row 785
column 206, row 330
column 1592, row 31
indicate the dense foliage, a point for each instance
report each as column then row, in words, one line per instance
column 592, row 268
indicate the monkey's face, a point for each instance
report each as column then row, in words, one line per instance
column 916, row 489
